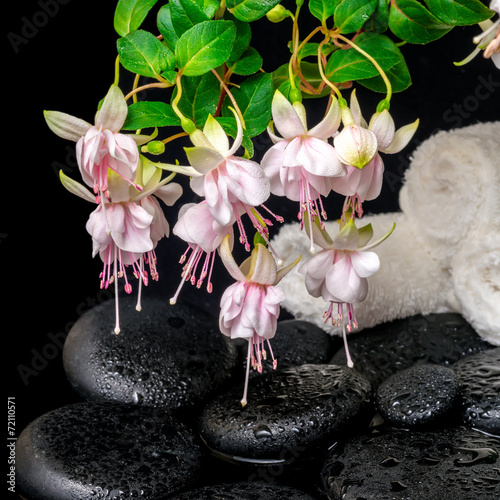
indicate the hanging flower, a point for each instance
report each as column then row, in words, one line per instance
column 489, row 40
column 101, row 149
column 125, row 233
column 197, row 227
column 339, row 272
column 301, row 164
column 231, row 185
column 250, row 307
column 358, row 146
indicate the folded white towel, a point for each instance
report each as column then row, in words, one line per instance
column 444, row 255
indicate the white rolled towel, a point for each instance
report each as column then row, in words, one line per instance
column 444, row 255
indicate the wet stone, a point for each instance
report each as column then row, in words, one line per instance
column 391, row 463
column 244, row 491
column 479, row 379
column 94, row 450
column 385, row 349
column 418, row 396
column 168, row 356
column 296, row 343
column 289, row 415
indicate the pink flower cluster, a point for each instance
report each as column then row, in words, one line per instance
column 304, row 164
column 128, row 221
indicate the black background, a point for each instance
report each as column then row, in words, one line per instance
column 61, row 57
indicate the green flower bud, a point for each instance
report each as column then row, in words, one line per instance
column 278, row 14
column 155, row 147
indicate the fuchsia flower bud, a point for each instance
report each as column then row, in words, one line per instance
column 358, row 147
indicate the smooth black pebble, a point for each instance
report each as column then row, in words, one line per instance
column 479, row 379
column 295, row 343
column 418, row 396
column 452, row 463
column 440, row 339
column 244, row 491
column 93, row 450
column 168, row 356
column 290, row 414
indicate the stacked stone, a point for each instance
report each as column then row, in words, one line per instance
column 159, row 413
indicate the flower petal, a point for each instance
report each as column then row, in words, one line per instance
column 76, row 188
column 329, row 124
column 319, row 158
column 401, row 138
column 203, row 159
column 228, row 260
column 356, row 110
column 347, row 238
column 113, row 111
column 66, row 126
column 355, row 145
column 382, row 125
column 215, row 134
column 365, row 263
column 286, row 119
column 169, row 194
column 262, row 266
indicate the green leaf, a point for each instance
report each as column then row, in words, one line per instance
column 249, row 63
column 185, row 14
column 129, row 14
column 322, row 9
column 210, row 7
column 350, row 15
column 250, row 10
column 459, row 12
column 349, row 64
column 204, row 47
column 412, row 22
column 199, row 98
column 379, row 20
column 142, row 53
column 254, row 96
column 145, row 114
column 241, row 40
column 166, row 27
column 311, row 50
column 398, row 75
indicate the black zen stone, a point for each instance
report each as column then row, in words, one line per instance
column 440, row 339
column 103, row 450
column 296, row 342
column 244, row 491
column 290, row 413
column 169, row 356
column 418, row 396
column 453, row 463
column 479, row 379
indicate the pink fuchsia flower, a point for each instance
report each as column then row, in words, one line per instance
column 301, row 164
column 339, row 272
column 126, row 233
column 231, row 185
column 358, row 147
column 251, row 306
column 101, row 149
column 197, row 227
column 489, row 40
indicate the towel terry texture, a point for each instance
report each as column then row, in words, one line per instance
column 444, row 255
